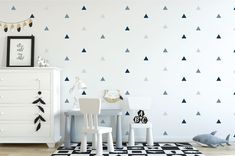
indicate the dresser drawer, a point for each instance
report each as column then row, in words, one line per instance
column 22, row 96
column 25, row 80
column 23, row 113
column 23, row 130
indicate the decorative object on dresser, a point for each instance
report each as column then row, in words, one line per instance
column 42, row 62
column 20, row 51
column 19, row 89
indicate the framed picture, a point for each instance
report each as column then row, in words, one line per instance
column 20, row 51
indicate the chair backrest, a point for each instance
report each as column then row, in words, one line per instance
column 90, row 107
column 139, row 103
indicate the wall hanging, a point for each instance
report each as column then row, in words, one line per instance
column 16, row 25
column 39, row 103
column 20, row 51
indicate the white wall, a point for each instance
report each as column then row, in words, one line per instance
column 147, row 37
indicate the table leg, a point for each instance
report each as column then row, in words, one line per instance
column 67, row 138
column 119, row 131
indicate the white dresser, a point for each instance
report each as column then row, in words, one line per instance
column 19, row 88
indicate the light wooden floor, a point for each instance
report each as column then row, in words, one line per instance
column 42, row 150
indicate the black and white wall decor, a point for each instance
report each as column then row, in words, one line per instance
column 20, row 51
column 180, row 53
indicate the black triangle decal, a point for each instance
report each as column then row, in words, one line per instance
column 218, row 101
column 183, row 79
column 102, row 79
column 83, row 93
column 198, row 28
column 83, row 8
column 218, row 37
column 127, row 71
column 146, row 58
column 198, row 114
column 127, row 50
column 66, row 58
column 66, row 16
column 13, row 8
column 127, row 113
column 198, row 71
column 184, row 16
column 183, row 37
column 32, row 16
column 183, row 101
column 66, row 36
column 83, row 50
column 183, row 122
column 127, row 29
column 165, row 133
column 66, row 79
column 165, row 93
column 183, row 59
column 218, row 59
column 218, row 79
column 165, row 50
column 102, row 37
column 218, row 16
column 165, row 8
column 127, row 93
column 66, row 101
column 127, row 8
column 146, row 16
column 46, row 29
column 218, row 121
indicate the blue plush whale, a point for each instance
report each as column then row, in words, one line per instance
column 211, row 140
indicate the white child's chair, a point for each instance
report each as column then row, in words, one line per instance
column 140, row 103
column 90, row 107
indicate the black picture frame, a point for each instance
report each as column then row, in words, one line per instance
column 20, row 51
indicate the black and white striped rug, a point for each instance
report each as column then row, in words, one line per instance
column 140, row 149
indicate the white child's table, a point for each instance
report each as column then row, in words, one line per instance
column 107, row 110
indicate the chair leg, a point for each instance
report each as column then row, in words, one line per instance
column 84, row 143
column 94, row 141
column 110, row 142
column 99, row 149
column 149, row 136
column 131, row 137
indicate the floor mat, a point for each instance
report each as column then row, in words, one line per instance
column 140, row 149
